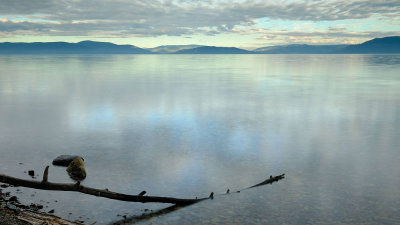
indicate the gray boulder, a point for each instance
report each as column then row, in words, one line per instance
column 64, row 160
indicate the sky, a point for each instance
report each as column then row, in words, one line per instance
column 238, row 23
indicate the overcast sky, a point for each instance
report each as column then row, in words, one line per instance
column 239, row 23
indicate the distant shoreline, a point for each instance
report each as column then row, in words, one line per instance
column 386, row 45
column 161, row 54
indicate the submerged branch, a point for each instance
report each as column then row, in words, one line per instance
column 146, row 216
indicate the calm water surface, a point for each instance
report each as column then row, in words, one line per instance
column 186, row 125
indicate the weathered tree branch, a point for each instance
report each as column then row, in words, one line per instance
column 105, row 193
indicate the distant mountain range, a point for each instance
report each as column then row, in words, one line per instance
column 83, row 47
column 386, row 45
column 300, row 49
column 167, row 49
column 375, row 46
column 214, row 50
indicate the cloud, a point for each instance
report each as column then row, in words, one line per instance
column 11, row 26
column 28, row 7
column 174, row 17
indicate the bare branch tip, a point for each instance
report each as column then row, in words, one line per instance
column 46, row 174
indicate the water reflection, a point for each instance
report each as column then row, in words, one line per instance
column 187, row 125
column 375, row 60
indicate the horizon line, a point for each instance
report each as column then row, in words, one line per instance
column 199, row 45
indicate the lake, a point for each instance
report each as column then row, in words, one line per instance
column 187, row 125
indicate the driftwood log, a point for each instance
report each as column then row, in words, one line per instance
column 105, row 193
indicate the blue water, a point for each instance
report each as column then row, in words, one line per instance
column 187, row 125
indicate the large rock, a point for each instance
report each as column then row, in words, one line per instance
column 64, row 160
column 76, row 169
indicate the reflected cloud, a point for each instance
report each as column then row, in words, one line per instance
column 393, row 60
column 188, row 125
column 97, row 117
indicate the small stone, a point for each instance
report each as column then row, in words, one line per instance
column 212, row 195
column 33, row 207
column 51, row 211
column 12, row 207
column 31, row 173
column 13, row 199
